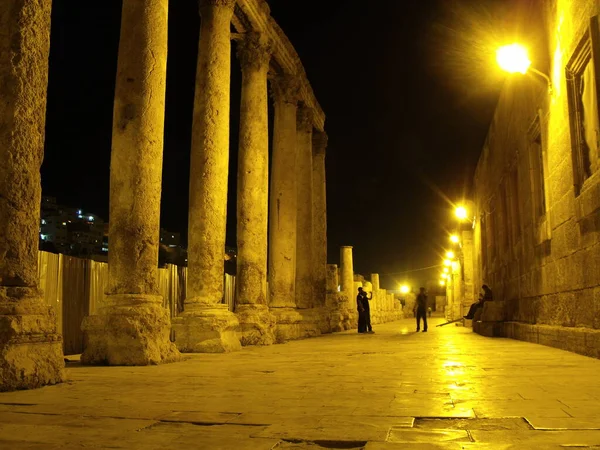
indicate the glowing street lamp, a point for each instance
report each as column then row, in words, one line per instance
column 447, row 262
column 444, row 275
column 442, row 283
column 461, row 212
column 454, row 239
column 513, row 58
column 450, row 254
column 446, row 270
column 404, row 289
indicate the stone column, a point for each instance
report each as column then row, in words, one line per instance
column 206, row 324
column 256, row 323
column 133, row 328
column 377, row 314
column 319, row 202
column 282, row 210
column 304, row 222
column 30, row 346
column 347, row 270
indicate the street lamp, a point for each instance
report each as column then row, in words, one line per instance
column 446, row 270
column 461, row 212
column 447, row 262
column 450, row 254
column 454, row 239
column 513, row 58
column 404, row 289
column 442, row 283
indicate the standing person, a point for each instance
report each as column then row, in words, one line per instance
column 367, row 307
column 421, row 306
column 362, row 316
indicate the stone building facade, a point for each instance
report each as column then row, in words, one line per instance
column 537, row 184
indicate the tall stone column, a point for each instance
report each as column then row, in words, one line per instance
column 134, row 328
column 30, row 346
column 282, row 210
column 206, row 324
column 347, row 269
column 256, row 322
column 319, row 202
column 376, row 312
column 304, row 222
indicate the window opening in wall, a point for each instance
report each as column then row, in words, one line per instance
column 536, row 158
column 581, row 73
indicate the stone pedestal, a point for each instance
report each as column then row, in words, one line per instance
column 256, row 324
column 206, row 324
column 207, row 330
column 288, row 324
column 489, row 320
column 30, row 344
column 133, row 330
column 337, row 304
column 253, row 184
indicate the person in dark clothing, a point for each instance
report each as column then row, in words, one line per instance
column 485, row 297
column 362, row 314
column 366, row 297
column 421, row 307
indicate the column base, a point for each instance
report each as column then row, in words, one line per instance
column 313, row 322
column 31, row 354
column 256, row 325
column 133, row 330
column 206, row 329
column 288, row 324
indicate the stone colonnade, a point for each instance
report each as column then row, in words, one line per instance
column 287, row 222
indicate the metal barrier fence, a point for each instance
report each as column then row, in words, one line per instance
column 76, row 288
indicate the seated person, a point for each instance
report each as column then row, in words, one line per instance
column 485, row 297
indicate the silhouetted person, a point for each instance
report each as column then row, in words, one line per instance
column 421, row 307
column 362, row 313
column 366, row 297
column 485, row 297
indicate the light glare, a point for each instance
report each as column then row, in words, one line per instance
column 513, row 58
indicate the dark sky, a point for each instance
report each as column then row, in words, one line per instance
column 403, row 85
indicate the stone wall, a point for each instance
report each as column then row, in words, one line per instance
column 539, row 249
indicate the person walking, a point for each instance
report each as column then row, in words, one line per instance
column 421, row 306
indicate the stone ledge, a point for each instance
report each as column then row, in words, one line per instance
column 584, row 341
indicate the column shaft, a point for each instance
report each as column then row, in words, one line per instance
column 283, row 201
column 252, row 200
column 30, row 347
column 133, row 328
column 304, row 222
column 210, row 157
column 319, row 216
column 347, row 270
column 207, row 325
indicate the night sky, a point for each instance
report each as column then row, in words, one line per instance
column 404, row 85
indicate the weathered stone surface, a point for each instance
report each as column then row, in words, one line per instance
column 256, row 324
column 288, row 324
column 319, row 202
column 30, row 348
column 493, row 312
column 283, row 198
column 132, row 331
column 253, row 183
column 210, row 156
column 207, row 330
column 305, row 296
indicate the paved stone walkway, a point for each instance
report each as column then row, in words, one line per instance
column 396, row 389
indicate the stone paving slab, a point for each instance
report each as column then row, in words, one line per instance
column 337, row 391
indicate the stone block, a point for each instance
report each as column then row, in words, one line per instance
column 133, row 331
column 493, row 312
column 256, row 325
column 288, row 324
column 207, row 330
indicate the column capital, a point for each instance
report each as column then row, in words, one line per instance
column 305, row 119
column 320, row 141
column 254, row 51
column 216, row 3
column 285, row 88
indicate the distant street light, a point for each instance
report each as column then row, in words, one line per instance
column 446, row 270
column 450, row 254
column 513, row 58
column 461, row 212
column 447, row 262
column 442, row 283
column 444, row 275
column 455, row 239
column 404, row 289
